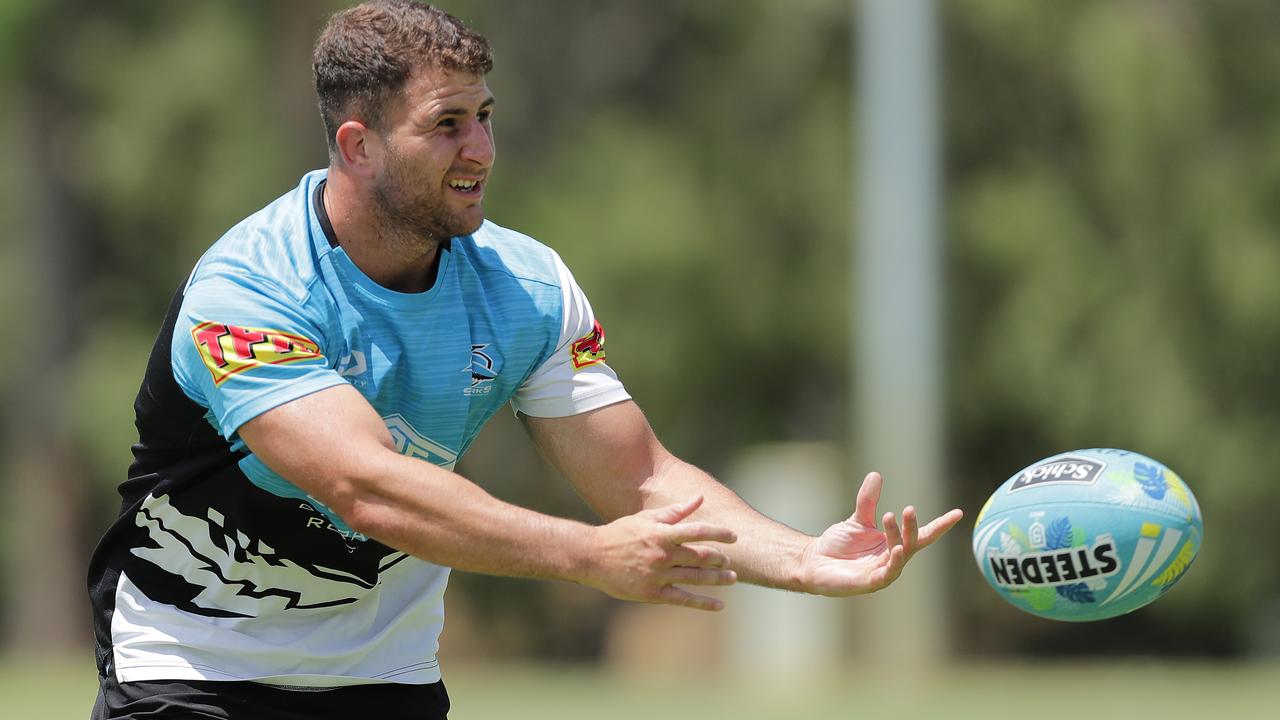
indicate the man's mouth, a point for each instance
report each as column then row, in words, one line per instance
column 466, row 187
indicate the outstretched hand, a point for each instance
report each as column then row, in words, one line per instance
column 854, row 557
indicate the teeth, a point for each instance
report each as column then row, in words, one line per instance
column 462, row 184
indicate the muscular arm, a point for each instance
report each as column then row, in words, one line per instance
column 618, row 466
column 613, row 459
column 333, row 445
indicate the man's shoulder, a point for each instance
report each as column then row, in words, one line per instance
column 500, row 251
column 272, row 248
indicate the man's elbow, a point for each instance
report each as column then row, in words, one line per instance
column 366, row 515
column 353, row 494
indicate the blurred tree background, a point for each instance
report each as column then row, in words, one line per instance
column 1111, row 185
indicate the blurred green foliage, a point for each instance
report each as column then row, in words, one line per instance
column 1111, row 183
column 1112, row 179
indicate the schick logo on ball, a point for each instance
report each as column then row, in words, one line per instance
column 1055, row 567
column 1060, row 470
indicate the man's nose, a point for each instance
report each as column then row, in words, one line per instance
column 477, row 146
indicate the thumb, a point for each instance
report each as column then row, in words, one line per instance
column 864, row 509
column 672, row 514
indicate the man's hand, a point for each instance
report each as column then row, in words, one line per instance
column 853, row 557
column 644, row 556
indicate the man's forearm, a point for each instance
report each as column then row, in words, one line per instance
column 618, row 466
column 442, row 517
column 767, row 552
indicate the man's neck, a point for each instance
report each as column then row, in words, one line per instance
column 389, row 256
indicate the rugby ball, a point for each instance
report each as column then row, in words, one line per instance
column 1087, row 534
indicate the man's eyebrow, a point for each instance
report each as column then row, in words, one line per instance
column 446, row 112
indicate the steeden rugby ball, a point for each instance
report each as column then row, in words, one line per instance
column 1087, row 534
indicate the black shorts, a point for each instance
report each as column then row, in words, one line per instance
column 191, row 699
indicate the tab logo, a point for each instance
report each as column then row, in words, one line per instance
column 1066, row 469
column 229, row 349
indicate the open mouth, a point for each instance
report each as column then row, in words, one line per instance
column 466, row 187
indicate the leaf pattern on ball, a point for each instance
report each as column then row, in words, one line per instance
column 1017, row 541
column 1180, row 493
column 1078, row 593
column 1151, row 478
column 1041, row 599
column 1177, row 568
column 1059, row 534
column 1129, row 494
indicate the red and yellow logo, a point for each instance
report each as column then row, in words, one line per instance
column 589, row 349
column 228, row 349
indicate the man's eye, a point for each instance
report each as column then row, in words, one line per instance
column 447, row 123
column 484, row 116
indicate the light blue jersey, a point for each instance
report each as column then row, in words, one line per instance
column 221, row 568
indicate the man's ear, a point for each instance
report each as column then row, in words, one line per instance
column 359, row 148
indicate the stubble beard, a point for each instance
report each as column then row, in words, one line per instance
column 420, row 219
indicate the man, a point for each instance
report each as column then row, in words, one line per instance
column 290, row 519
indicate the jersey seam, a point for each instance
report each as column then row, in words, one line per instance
column 508, row 272
column 523, row 278
column 266, row 280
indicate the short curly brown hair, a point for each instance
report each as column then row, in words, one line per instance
column 365, row 55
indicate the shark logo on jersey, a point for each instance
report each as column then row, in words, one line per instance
column 483, row 371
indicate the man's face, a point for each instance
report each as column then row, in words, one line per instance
column 438, row 153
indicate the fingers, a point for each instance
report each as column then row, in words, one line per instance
column 672, row 514
column 864, row 510
column 702, row 576
column 892, row 534
column 700, row 532
column 689, row 532
column 911, row 536
column 910, row 540
column 891, row 570
column 643, row 556
column 939, row 527
column 699, row 556
column 673, row 595
column 910, row 531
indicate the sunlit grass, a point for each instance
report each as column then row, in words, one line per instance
column 65, row 690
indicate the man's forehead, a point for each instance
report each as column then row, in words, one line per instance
column 433, row 84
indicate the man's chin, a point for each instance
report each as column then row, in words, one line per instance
column 468, row 226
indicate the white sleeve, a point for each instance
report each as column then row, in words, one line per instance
column 575, row 378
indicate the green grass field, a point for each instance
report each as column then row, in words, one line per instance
column 1137, row 689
